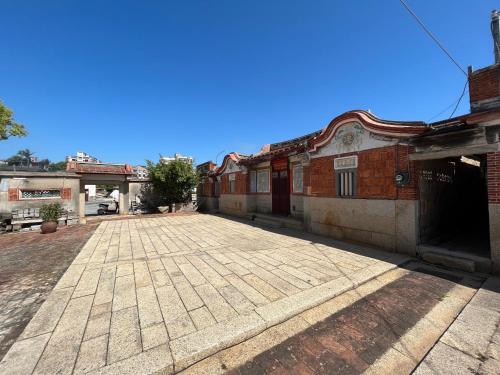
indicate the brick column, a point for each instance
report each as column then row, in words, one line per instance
column 493, row 177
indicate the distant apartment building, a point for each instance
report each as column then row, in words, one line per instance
column 176, row 156
column 82, row 157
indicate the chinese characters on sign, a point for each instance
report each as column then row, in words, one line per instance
column 347, row 162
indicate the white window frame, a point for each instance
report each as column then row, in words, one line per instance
column 345, row 182
column 266, row 188
column 256, row 176
column 253, row 181
column 296, row 187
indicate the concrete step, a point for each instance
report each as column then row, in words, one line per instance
column 454, row 259
column 276, row 221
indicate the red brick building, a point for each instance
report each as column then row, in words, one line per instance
column 411, row 187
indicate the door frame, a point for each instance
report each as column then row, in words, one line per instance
column 280, row 195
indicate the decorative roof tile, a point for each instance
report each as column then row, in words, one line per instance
column 100, row 168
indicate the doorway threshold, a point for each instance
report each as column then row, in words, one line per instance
column 276, row 221
column 454, row 259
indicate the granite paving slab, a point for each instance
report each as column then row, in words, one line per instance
column 161, row 293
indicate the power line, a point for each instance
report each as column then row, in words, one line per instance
column 459, row 99
column 455, row 103
column 443, row 111
column 403, row 2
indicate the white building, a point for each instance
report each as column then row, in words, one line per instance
column 90, row 191
column 83, row 157
column 176, row 156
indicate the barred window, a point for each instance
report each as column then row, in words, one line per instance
column 346, row 183
column 40, row 194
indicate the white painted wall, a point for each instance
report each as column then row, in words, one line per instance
column 92, row 190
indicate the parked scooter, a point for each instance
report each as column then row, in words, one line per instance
column 108, row 209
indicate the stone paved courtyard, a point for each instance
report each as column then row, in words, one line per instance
column 30, row 266
column 161, row 293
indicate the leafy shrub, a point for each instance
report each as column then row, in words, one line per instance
column 50, row 212
column 172, row 181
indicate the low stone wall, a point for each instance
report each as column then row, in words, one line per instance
column 388, row 224
column 233, row 204
column 208, row 204
column 261, row 203
column 407, row 226
column 297, row 206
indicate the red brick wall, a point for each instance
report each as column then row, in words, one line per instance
column 409, row 191
column 484, row 84
column 376, row 173
column 322, row 177
column 206, row 187
column 66, row 193
column 493, row 170
column 224, row 184
column 13, row 194
column 306, row 176
column 376, row 169
column 241, row 183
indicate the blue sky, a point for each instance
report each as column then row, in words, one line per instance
column 128, row 80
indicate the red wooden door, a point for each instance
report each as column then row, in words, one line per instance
column 281, row 192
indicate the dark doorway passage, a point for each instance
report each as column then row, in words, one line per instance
column 281, row 192
column 454, row 204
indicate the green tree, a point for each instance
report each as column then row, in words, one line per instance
column 26, row 156
column 59, row 166
column 172, row 181
column 9, row 127
column 15, row 160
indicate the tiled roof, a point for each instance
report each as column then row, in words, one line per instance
column 269, row 151
column 96, row 168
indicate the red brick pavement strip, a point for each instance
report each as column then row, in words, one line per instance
column 99, row 218
column 30, row 266
column 349, row 341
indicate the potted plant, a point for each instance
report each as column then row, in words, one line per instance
column 50, row 213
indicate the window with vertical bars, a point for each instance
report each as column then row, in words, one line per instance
column 346, row 183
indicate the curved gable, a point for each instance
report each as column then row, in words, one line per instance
column 359, row 130
column 229, row 164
